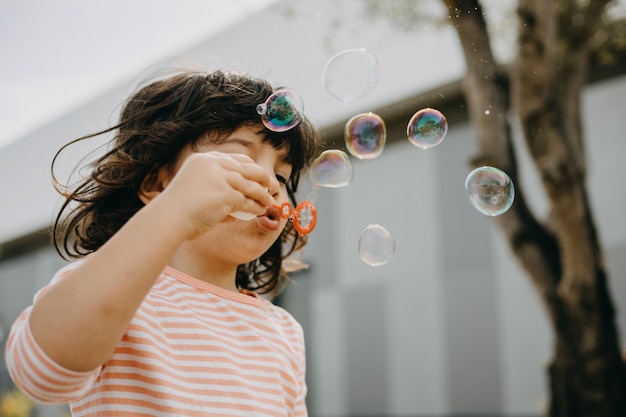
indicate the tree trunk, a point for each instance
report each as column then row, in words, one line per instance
column 562, row 255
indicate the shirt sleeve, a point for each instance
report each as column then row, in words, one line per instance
column 34, row 372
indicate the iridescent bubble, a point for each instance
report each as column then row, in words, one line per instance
column 490, row 190
column 376, row 245
column 282, row 110
column 331, row 169
column 427, row 128
column 351, row 74
column 365, row 135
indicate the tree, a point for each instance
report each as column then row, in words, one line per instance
column 558, row 41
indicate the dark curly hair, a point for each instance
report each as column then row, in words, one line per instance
column 155, row 124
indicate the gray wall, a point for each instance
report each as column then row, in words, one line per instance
column 20, row 278
column 451, row 325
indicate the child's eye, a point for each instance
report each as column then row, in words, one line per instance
column 281, row 179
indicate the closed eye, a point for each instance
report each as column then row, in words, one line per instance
column 281, row 179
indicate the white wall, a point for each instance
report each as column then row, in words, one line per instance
column 288, row 44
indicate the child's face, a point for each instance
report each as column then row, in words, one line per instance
column 237, row 241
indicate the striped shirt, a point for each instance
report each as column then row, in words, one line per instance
column 192, row 349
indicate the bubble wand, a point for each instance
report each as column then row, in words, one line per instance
column 304, row 216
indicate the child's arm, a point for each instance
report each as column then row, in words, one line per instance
column 79, row 321
column 35, row 373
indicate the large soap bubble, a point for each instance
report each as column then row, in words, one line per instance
column 490, row 190
column 365, row 135
column 351, row 74
column 282, row 110
column 376, row 245
column 331, row 169
column 427, row 128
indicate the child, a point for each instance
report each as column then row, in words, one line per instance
column 160, row 315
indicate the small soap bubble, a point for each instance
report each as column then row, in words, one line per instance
column 282, row 110
column 243, row 215
column 313, row 194
column 365, row 135
column 351, row 74
column 427, row 128
column 376, row 245
column 490, row 190
column 331, row 169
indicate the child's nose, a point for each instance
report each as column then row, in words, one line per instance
column 274, row 188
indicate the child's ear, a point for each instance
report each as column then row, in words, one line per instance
column 152, row 185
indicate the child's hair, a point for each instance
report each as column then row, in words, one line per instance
column 155, row 124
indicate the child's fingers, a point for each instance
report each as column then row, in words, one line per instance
column 247, row 177
column 236, row 183
column 253, row 192
column 251, row 179
column 248, row 168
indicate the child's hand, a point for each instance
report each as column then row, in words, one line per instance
column 210, row 185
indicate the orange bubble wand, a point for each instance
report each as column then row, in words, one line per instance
column 304, row 216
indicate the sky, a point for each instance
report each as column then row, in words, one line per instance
column 58, row 54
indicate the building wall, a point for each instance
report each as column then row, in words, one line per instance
column 20, row 278
column 451, row 325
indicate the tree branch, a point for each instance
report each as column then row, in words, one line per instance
column 487, row 92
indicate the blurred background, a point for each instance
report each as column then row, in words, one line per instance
column 451, row 325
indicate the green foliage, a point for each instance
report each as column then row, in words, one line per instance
column 609, row 44
column 406, row 14
column 15, row 404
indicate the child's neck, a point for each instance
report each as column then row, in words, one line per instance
column 220, row 277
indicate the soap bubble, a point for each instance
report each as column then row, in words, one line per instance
column 243, row 215
column 313, row 194
column 351, row 74
column 331, row 169
column 282, row 110
column 365, row 135
column 427, row 128
column 376, row 245
column 490, row 190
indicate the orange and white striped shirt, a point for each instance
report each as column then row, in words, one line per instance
column 192, row 349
